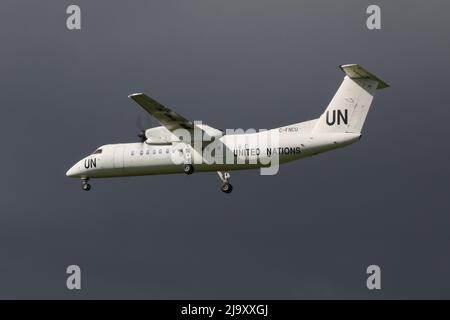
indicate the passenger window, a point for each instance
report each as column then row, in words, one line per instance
column 142, row 152
column 148, row 151
column 167, row 150
column 154, row 151
column 132, row 152
column 160, row 151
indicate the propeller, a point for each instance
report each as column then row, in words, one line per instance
column 141, row 136
column 142, row 127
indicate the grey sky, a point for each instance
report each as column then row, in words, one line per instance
column 308, row 232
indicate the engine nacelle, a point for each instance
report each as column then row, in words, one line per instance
column 160, row 135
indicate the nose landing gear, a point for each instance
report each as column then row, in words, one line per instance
column 85, row 185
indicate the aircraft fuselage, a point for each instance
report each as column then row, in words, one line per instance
column 166, row 149
column 135, row 159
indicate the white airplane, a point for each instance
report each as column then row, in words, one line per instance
column 163, row 150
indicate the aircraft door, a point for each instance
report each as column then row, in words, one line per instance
column 118, row 157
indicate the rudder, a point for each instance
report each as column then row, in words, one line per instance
column 348, row 109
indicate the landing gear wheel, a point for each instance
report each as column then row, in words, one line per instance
column 85, row 185
column 188, row 168
column 227, row 187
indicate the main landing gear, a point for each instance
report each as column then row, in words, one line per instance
column 85, row 185
column 223, row 175
column 188, row 168
column 226, row 185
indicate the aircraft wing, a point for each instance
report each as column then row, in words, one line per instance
column 168, row 118
column 172, row 120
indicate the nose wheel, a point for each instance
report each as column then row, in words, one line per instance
column 85, row 185
column 226, row 185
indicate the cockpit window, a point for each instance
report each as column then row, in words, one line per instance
column 98, row 151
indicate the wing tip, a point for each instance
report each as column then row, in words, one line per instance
column 349, row 65
column 135, row 95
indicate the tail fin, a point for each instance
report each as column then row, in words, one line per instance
column 348, row 109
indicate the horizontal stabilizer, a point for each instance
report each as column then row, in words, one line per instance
column 355, row 71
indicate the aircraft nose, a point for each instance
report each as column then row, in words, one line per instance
column 73, row 171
